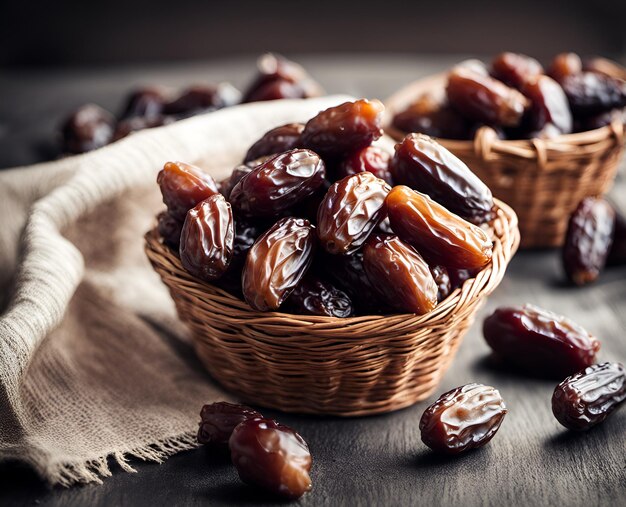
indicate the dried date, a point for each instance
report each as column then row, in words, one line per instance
column 515, row 69
column 278, row 184
column 277, row 262
column 145, row 102
column 539, row 342
column 350, row 211
column 424, row 165
column 218, row 420
column 564, row 65
column 587, row 398
column 279, row 139
column 439, row 235
column 170, row 229
column 201, row 98
column 462, row 419
column 549, row 106
column 370, row 159
column 314, row 296
column 399, row 274
column 271, row 456
column 588, row 240
column 442, row 280
column 88, row 128
column 589, row 93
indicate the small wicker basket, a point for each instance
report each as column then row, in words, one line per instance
column 325, row 365
column 542, row 180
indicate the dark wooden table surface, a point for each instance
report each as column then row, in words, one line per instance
column 374, row 460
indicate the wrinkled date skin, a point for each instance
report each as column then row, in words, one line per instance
column 587, row 398
column 277, row 262
column 539, row 342
column 424, row 165
column 278, row 184
column 344, row 129
column 399, row 274
column 218, row 420
column 279, row 139
column 183, row 186
column 314, row 296
column 439, row 235
column 271, row 456
column 429, row 116
column 442, row 280
column 589, row 93
column 485, row 99
column 227, row 185
column 350, row 211
column 206, row 241
column 617, row 254
column 145, row 102
column 370, row 159
column 170, row 229
column 462, row 419
column 88, row 128
column 564, row 65
column 548, row 106
column 201, row 98
column 588, row 240
column 515, row 69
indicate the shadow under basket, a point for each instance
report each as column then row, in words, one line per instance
column 326, row 365
column 542, row 180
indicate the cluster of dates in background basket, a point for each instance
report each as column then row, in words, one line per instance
column 312, row 223
column 519, row 99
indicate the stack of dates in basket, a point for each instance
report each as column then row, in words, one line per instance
column 311, row 222
column 519, row 99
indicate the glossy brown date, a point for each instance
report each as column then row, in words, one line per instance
column 277, row 262
column 144, row 102
column 399, row 274
column 564, row 65
column 424, row 165
column 515, row 69
column 439, row 235
column 485, row 99
column 218, row 420
column 350, row 211
column 183, row 186
column 278, row 184
column 277, row 140
column 271, row 456
column 462, row 419
column 227, row 185
column 314, row 296
column 588, row 240
column 170, row 229
column 587, row 398
column 442, row 280
column 370, row 159
column 549, row 106
column 539, row 342
column 200, row 98
column 589, row 93
column 344, row 129
column 88, row 128
column 206, row 240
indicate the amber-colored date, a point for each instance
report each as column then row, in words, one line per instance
column 183, row 186
column 278, row 184
column 370, row 159
column 540, row 342
column 515, row 69
column 462, row 419
column 344, row 129
column 564, row 65
column 485, row 99
column 439, row 235
column 424, row 165
column 314, row 296
column 279, row 139
column 399, row 274
column 88, row 128
column 277, row 262
column 587, row 398
column 442, row 280
column 350, row 211
column 549, row 106
column 218, row 420
column 588, row 240
column 272, row 456
column 170, row 229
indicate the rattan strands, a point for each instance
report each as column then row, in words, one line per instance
column 325, row 365
column 542, row 180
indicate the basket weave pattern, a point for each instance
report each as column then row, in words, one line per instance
column 325, row 365
column 542, row 180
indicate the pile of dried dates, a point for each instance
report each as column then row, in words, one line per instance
column 318, row 220
column 91, row 127
column 519, row 99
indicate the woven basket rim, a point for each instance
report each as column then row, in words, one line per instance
column 506, row 241
column 564, row 144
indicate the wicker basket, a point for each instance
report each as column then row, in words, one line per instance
column 542, row 180
column 326, row 365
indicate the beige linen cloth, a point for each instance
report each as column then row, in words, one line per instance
column 94, row 365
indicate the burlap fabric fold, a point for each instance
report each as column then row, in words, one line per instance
column 94, row 365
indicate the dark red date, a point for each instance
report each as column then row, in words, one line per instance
column 589, row 93
column 145, row 102
column 170, row 229
column 218, row 420
column 462, row 419
column 227, row 185
column 540, row 342
column 279, row 139
column 515, row 69
column 442, row 280
column 201, row 98
column 370, row 159
column 271, row 456
column 549, row 106
column 88, row 128
column 314, row 296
